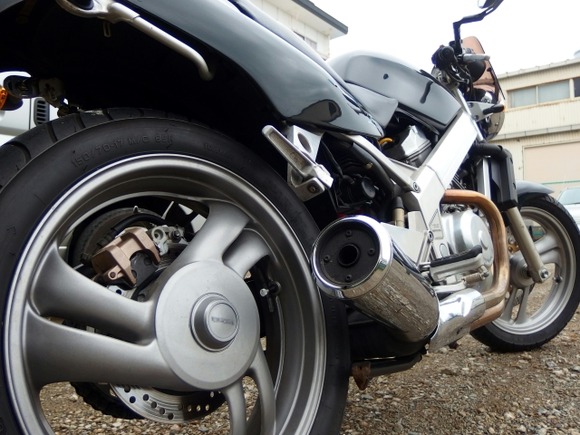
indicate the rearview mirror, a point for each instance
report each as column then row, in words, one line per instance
column 485, row 4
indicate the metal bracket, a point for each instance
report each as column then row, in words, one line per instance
column 305, row 176
column 400, row 177
column 114, row 12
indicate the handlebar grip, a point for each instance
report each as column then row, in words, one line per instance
column 444, row 57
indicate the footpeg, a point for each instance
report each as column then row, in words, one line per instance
column 470, row 261
column 306, row 177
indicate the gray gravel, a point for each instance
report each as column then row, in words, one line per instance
column 471, row 390
column 468, row 390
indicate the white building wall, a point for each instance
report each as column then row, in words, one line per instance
column 292, row 16
column 542, row 74
column 544, row 118
column 544, row 139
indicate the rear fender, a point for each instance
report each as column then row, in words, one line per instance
column 6, row 4
column 297, row 84
column 300, row 88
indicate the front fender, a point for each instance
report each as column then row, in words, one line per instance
column 529, row 187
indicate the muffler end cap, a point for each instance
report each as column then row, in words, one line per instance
column 348, row 253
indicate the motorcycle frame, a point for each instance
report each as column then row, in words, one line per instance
column 425, row 186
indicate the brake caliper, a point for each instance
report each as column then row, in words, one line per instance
column 114, row 263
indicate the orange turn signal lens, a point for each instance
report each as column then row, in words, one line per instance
column 3, row 97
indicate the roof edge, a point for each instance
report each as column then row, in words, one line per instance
column 327, row 18
column 525, row 71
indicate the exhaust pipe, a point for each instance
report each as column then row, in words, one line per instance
column 354, row 259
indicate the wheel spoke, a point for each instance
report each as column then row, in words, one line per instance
column 245, row 252
column 549, row 249
column 511, row 303
column 55, row 353
column 260, row 372
column 223, row 226
column 237, row 407
column 522, row 316
column 60, row 291
column 266, row 407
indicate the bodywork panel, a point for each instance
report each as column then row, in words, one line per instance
column 416, row 91
column 299, row 87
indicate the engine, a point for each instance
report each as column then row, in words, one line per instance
column 471, row 246
column 410, row 146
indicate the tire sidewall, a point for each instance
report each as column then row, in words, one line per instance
column 32, row 191
column 499, row 339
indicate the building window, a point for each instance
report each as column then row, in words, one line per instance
column 544, row 93
column 554, row 91
column 311, row 42
column 577, row 87
column 523, row 97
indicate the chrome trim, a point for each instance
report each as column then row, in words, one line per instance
column 380, row 286
column 456, row 314
column 114, row 12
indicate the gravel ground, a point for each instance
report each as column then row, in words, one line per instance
column 468, row 390
column 472, row 390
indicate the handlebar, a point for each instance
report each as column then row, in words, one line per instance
column 471, row 57
column 444, row 57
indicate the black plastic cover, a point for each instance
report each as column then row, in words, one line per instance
column 416, row 91
column 296, row 82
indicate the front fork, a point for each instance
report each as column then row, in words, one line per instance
column 496, row 168
column 536, row 267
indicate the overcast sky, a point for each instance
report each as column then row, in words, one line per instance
column 520, row 34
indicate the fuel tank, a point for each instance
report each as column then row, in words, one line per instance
column 417, row 92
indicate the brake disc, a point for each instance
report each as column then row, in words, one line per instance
column 169, row 407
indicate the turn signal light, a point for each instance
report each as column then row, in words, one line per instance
column 3, row 97
column 7, row 101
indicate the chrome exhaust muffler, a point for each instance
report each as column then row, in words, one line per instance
column 354, row 259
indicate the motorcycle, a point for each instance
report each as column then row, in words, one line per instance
column 219, row 218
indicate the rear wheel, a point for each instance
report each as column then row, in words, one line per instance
column 536, row 313
column 196, row 291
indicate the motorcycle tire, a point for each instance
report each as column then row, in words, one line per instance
column 536, row 313
column 237, row 306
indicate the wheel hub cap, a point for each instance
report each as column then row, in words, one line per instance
column 207, row 325
column 214, row 322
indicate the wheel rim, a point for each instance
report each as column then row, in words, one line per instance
column 242, row 228
column 531, row 308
